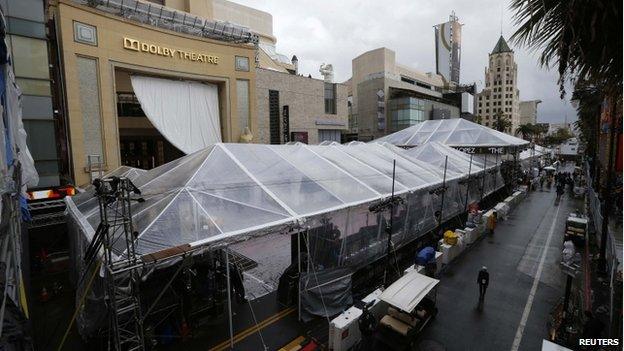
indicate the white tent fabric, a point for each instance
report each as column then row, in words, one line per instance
column 456, row 132
column 186, row 113
column 408, row 291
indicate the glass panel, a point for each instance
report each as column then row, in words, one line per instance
column 26, row 28
column 40, row 139
column 242, row 104
column 26, row 9
column 34, row 86
column 31, row 57
column 37, row 107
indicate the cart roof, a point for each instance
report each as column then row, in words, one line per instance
column 408, row 291
column 578, row 220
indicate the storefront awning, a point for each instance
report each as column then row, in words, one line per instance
column 186, row 113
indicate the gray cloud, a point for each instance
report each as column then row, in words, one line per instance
column 338, row 31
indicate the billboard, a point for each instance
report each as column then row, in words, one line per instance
column 448, row 49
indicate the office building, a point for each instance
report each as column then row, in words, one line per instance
column 297, row 108
column 448, row 49
column 528, row 112
column 500, row 96
column 35, row 71
column 385, row 96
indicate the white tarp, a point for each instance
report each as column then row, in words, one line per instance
column 186, row 113
column 408, row 291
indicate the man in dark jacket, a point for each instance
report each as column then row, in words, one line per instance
column 483, row 279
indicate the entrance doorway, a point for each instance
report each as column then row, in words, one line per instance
column 140, row 144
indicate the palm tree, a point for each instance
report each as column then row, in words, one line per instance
column 501, row 122
column 527, row 130
column 582, row 38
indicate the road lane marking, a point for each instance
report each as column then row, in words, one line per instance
column 253, row 329
column 536, row 279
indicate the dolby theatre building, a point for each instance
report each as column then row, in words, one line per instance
column 145, row 82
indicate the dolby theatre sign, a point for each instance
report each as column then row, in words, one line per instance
column 149, row 48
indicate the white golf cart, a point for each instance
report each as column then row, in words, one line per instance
column 411, row 306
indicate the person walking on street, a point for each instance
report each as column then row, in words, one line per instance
column 560, row 191
column 483, row 279
column 491, row 222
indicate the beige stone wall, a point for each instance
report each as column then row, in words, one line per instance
column 305, row 98
column 110, row 54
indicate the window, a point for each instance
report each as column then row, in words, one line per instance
column 128, row 105
column 274, row 117
column 33, row 57
column 242, row 63
column 330, row 98
column 34, row 86
column 85, row 33
column 328, row 135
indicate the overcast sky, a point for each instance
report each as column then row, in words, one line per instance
column 335, row 32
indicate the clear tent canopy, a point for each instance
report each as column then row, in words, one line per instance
column 455, row 132
column 230, row 189
column 246, row 195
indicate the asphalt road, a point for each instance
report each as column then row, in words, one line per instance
column 513, row 256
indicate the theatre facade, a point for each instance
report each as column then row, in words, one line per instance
column 144, row 84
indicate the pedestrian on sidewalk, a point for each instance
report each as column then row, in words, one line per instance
column 491, row 222
column 483, row 279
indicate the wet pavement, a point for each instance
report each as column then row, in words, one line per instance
column 525, row 282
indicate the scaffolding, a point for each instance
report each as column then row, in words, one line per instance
column 121, row 274
column 167, row 18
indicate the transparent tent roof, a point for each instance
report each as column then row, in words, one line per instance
column 452, row 132
column 434, row 153
column 536, row 152
column 233, row 189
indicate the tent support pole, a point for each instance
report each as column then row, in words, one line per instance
column 495, row 177
column 484, row 175
column 468, row 183
column 299, row 274
column 441, row 216
column 389, row 248
column 229, row 297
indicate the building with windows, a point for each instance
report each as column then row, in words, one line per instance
column 144, row 83
column 528, row 112
column 35, row 70
column 292, row 107
column 500, row 96
column 386, row 96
